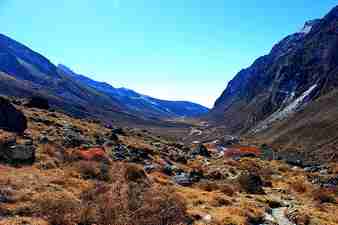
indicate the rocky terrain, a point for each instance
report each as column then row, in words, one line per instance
column 59, row 170
column 74, row 151
column 287, row 98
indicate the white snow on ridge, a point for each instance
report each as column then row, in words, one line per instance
column 284, row 113
column 308, row 26
column 306, row 29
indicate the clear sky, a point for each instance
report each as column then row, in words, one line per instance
column 169, row 49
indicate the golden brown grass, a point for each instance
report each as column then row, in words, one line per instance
column 299, row 185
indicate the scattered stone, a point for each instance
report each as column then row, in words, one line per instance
column 168, row 170
column 215, row 175
column 149, row 168
column 230, row 140
column 72, row 137
column 207, row 218
column 99, row 140
column 138, row 155
column 11, row 119
column 196, row 175
column 7, row 195
column 43, row 139
column 178, row 157
column 120, row 152
column 118, row 131
column 38, row 102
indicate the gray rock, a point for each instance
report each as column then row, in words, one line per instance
column 11, row 119
column 17, row 154
column 72, row 137
column 201, row 150
column 149, row 168
column 183, row 179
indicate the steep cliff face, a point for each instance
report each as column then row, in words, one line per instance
column 299, row 69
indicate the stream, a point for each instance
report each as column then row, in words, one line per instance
column 278, row 216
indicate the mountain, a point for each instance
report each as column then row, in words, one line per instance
column 26, row 73
column 138, row 103
column 288, row 97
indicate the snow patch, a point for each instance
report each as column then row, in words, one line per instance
column 287, row 111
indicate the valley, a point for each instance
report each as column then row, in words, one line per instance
column 76, row 151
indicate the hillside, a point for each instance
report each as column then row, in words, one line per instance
column 137, row 103
column 26, row 73
column 288, row 93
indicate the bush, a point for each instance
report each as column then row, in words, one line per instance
column 299, row 186
column 208, row 186
column 323, row 196
column 131, row 199
column 135, row 173
column 251, row 183
column 95, row 170
column 59, row 208
column 227, row 189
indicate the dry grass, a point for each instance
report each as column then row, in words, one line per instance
column 94, row 170
column 323, row 195
column 23, row 220
column 59, row 208
column 299, row 185
column 132, row 199
column 227, row 189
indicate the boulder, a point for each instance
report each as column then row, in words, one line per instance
column 168, row 169
column 72, row 137
column 38, row 102
column 17, row 154
column 251, row 183
column 183, row 179
column 21, row 154
column 201, row 150
column 11, row 119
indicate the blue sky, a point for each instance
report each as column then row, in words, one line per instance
column 169, row 49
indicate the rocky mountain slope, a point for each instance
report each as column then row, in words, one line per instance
column 137, row 103
column 289, row 93
column 26, row 73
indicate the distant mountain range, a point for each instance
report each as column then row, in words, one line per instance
column 138, row 103
column 289, row 97
column 25, row 73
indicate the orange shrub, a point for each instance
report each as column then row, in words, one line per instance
column 92, row 154
column 299, row 186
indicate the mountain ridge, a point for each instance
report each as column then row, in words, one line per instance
column 26, row 73
column 298, row 71
column 137, row 102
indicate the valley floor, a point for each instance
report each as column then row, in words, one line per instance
column 84, row 173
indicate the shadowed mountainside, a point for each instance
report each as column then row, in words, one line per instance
column 276, row 96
